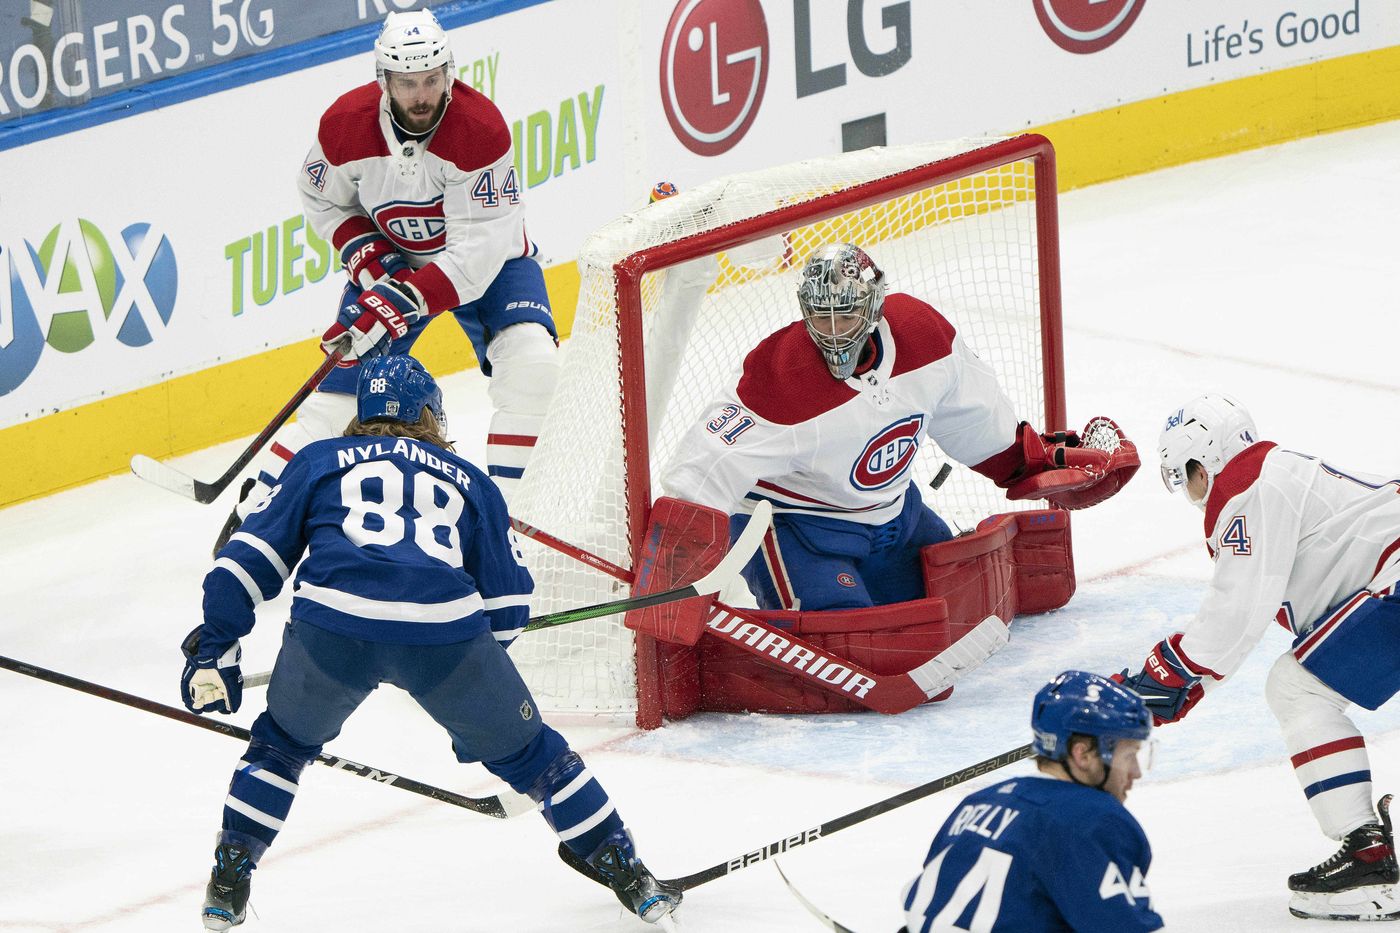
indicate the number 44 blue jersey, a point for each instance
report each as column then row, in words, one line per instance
column 404, row 543
column 1038, row 854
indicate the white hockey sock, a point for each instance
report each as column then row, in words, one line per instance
column 1324, row 746
column 524, row 369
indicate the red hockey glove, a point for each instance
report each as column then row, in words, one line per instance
column 1165, row 683
column 1073, row 470
column 377, row 317
column 370, row 259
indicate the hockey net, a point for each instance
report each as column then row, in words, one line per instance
column 673, row 296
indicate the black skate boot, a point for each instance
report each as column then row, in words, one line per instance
column 230, row 880
column 1358, row 882
column 619, row 868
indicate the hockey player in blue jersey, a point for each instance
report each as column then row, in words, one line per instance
column 409, row 578
column 1056, row 851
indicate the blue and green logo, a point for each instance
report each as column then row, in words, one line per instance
column 80, row 287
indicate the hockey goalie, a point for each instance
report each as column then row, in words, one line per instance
column 823, row 421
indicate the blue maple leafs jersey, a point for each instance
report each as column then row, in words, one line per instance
column 399, row 541
column 1035, row 853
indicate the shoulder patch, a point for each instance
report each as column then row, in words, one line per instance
column 785, row 379
column 473, row 134
column 350, row 130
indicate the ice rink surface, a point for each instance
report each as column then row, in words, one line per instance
column 1272, row 275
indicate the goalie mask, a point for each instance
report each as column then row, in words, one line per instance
column 841, row 295
column 1210, row 429
column 398, row 388
column 413, row 62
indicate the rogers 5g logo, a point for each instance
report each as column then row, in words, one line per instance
column 714, row 67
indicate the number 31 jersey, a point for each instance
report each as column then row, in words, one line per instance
column 404, row 543
column 1035, row 853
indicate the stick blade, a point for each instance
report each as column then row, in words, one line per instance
column 166, row 477
column 745, row 547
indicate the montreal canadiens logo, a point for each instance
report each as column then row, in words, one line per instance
column 1086, row 26
column 845, row 579
column 414, row 227
column 888, row 455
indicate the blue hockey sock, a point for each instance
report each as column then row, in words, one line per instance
column 260, row 794
column 575, row 805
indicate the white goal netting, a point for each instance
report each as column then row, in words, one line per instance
column 964, row 236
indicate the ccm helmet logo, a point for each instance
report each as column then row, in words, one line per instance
column 888, row 454
column 414, row 227
column 714, row 66
column 1086, row 26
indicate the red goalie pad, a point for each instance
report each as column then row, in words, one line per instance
column 881, row 639
column 1012, row 564
column 684, row 543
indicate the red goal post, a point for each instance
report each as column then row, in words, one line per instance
column 674, row 295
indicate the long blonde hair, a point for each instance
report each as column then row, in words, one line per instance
column 426, row 428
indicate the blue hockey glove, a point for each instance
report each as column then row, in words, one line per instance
column 1165, row 683
column 213, row 680
column 376, row 318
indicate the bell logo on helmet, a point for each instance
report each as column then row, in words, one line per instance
column 1175, row 419
column 888, row 454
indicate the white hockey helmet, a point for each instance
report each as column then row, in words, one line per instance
column 411, row 42
column 1210, row 429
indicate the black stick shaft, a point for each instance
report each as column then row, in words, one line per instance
column 490, row 806
column 208, row 492
column 780, row 846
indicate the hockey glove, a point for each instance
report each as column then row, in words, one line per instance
column 1165, row 683
column 370, row 259
column 1073, row 470
column 374, row 320
column 212, row 682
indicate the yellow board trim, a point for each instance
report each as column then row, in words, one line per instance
column 92, row 441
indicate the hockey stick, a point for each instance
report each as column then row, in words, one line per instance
column 501, row 807
column 748, row 859
column 813, row 909
column 167, row 477
column 725, row 571
column 569, row 550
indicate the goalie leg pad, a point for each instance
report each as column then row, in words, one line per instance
column 881, row 639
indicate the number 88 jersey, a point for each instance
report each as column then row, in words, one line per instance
column 403, row 542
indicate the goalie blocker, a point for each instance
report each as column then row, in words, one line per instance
column 713, row 657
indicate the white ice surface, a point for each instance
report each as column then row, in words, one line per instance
column 1272, row 275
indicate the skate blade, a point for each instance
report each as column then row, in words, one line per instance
column 1371, row 902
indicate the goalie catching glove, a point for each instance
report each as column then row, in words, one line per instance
column 375, row 319
column 1072, row 470
column 212, row 682
column 1165, row 683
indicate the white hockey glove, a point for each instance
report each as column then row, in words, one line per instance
column 211, row 683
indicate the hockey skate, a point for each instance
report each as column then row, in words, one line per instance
column 1360, row 882
column 230, row 881
column 634, row 885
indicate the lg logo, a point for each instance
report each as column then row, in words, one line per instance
column 714, row 66
column 1085, row 26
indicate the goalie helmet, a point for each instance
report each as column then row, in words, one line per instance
column 398, row 388
column 1210, row 429
column 841, row 280
column 413, row 43
column 1080, row 703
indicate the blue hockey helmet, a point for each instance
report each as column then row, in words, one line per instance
column 1080, row 703
column 398, row 388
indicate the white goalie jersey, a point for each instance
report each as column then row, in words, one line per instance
column 1292, row 537
column 788, row 433
column 450, row 202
